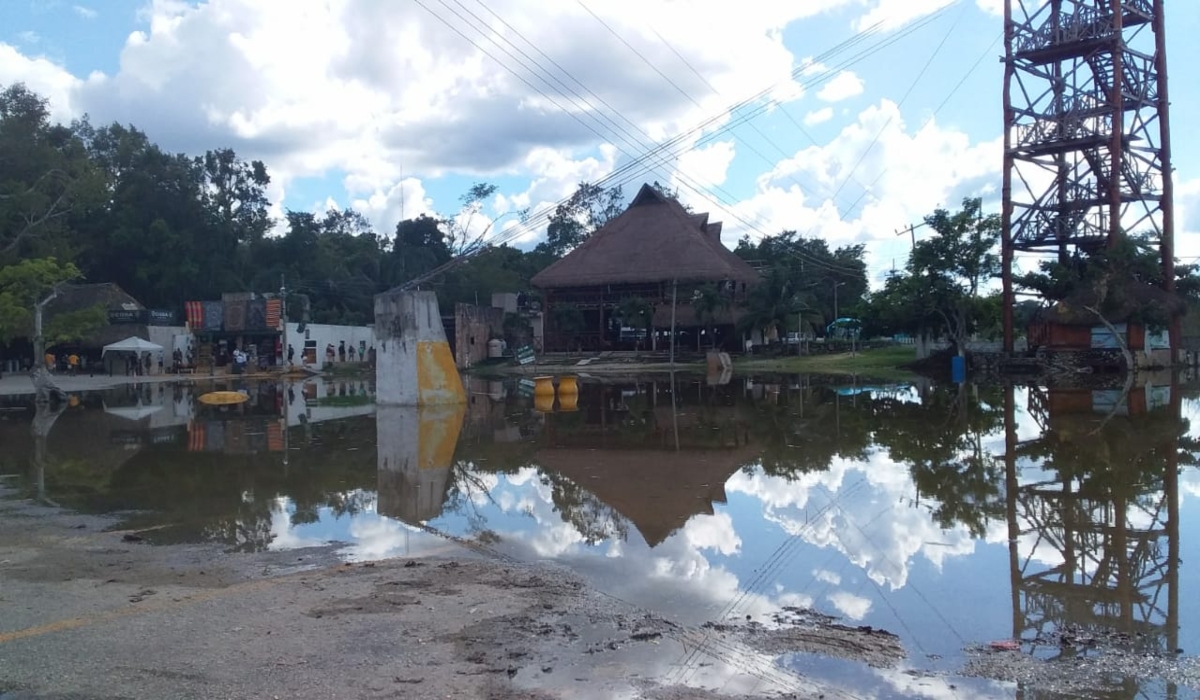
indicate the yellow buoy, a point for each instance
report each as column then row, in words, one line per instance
column 223, row 398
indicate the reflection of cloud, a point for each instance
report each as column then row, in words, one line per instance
column 850, row 605
column 283, row 535
column 855, row 508
column 827, row 577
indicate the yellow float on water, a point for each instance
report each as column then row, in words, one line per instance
column 223, row 398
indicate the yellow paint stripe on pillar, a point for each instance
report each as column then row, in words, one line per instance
column 437, row 377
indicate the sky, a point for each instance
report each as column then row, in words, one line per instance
column 844, row 119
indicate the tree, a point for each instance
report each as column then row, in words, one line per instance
column 823, row 274
column 459, row 236
column 585, row 211
column 773, row 303
column 707, row 301
column 25, row 289
column 636, row 312
column 941, row 286
column 45, row 175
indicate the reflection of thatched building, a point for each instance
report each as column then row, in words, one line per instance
column 656, row 490
column 651, row 251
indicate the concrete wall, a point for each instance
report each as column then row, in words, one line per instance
column 322, row 335
column 473, row 327
column 414, row 365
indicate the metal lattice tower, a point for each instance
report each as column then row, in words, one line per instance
column 1087, row 136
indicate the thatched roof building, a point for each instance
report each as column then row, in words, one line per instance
column 656, row 251
column 1119, row 301
column 654, row 240
column 79, row 297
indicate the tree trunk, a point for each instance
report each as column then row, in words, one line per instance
column 43, row 383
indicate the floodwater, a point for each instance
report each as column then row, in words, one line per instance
column 952, row 516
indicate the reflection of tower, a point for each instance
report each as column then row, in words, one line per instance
column 415, row 451
column 1103, row 532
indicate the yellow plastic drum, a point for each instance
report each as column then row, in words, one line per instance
column 543, row 386
column 543, row 403
column 223, row 398
column 568, row 402
column 567, row 385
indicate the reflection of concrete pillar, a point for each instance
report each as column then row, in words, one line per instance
column 415, row 452
column 414, row 365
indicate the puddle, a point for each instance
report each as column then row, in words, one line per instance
column 950, row 516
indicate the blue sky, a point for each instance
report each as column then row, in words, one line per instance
column 391, row 110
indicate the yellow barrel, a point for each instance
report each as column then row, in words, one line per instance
column 223, row 398
column 543, row 386
column 567, row 385
column 543, row 403
column 568, row 402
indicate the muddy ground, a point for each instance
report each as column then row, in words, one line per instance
column 92, row 613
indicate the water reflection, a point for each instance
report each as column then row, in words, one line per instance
column 952, row 515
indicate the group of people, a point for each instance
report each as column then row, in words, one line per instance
column 342, row 352
column 66, row 364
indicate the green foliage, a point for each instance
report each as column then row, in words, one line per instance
column 74, row 326
column 777, row 301
column 816, row 270
column 707, row 301
column 23, row 286
column 589, row 208
column 940, row 289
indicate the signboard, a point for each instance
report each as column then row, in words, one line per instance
column 122, row 316
column 149, row 317
column 162, row 317
column 524, row 355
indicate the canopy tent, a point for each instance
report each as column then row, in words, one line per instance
column 132, row 344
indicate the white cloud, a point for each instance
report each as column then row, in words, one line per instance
column 827, row 577
column 29, row 36
column 85, row 12
column 842, row 86
column 992, row 7
column 819, row 116
column 890, row 14
column 707, row 166
column 902, row 176
column 43, row 77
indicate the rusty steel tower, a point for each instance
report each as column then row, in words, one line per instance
column 1087, row 150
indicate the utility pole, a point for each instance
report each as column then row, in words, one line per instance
column 835, row 304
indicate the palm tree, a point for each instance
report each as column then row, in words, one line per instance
column 706, row 302
column 636, row 312
column 773, row 302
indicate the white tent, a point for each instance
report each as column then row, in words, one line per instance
column 132, row 344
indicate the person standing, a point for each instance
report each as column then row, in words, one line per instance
column 73, row 364
column 291, row 354
column 350, row 353
column 342, row 351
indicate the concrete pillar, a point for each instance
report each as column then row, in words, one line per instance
column 415, row 454
column 414, row 365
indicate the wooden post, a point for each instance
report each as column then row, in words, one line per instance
column 674, row 294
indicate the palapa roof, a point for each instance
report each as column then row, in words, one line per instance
column 654, row 240
column 78, row 297
column 1119, row 300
